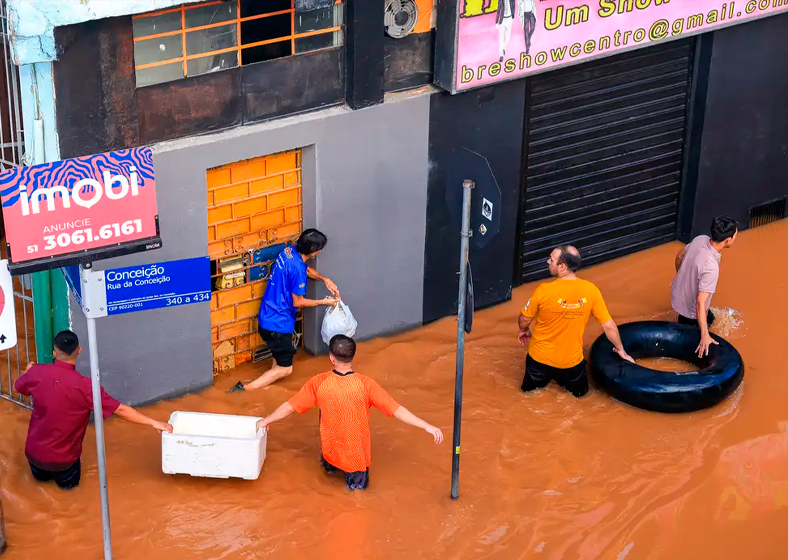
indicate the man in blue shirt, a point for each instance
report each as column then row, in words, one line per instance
column 284, row 295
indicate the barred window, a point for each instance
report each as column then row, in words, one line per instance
column 197, row 39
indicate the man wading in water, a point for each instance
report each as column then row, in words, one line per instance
column 284, row 295
column 62, row 403
column 554, row 320
column 344, row 398
column 697, row 272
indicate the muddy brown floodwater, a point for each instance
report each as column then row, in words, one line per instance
column 543, row 475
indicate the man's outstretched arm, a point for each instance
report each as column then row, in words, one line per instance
column 301, row 302
column 134, row 416
column 701, row 312
column 612, row 334
column 284, row 410
column 330, row 285
column 404, row 415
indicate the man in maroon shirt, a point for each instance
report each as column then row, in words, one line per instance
column 62, row 403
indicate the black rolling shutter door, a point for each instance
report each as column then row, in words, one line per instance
column 604, row 147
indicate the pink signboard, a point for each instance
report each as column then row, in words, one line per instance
column 80, row 210
column 498, row 40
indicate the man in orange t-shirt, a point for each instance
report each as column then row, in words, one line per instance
column 555, row 319
column 344, row 398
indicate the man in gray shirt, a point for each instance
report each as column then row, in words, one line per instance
column 697, row 272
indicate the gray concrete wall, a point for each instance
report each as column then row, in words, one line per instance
column 364, row 185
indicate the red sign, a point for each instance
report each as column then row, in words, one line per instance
column 80, row 210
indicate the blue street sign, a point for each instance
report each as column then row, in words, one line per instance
column 150, row 286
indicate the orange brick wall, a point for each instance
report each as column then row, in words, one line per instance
column 251, row 204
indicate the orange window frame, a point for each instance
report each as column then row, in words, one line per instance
column 237, row 21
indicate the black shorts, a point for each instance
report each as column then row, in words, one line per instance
column 66, row 479
column 355, row 480
column 280, row 345
column 694, row 322
column 538, row 375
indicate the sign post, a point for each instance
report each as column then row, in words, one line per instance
column 125, row 290
column 75, row 212
column 467, row 186
column 479, row 217
column 98, row 419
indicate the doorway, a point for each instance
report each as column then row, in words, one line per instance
column 604, row 147
column 254, row 208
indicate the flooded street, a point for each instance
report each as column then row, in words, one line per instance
column 544, row 476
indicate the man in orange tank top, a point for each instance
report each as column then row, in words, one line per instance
column 344, row 398
column 554, row 321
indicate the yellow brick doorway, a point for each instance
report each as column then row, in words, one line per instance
column 253, row 207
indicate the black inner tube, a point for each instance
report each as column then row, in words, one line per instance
column 717, row 375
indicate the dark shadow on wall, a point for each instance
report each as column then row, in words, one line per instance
column 100, row 108
column 94, row 87
column 744, row 150
column 408, row 61
column 489, row 122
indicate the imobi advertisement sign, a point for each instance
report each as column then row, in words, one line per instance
column 481, row 42
column 80, row 210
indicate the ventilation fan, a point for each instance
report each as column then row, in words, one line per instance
column 400, row 18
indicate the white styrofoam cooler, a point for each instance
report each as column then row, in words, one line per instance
column 213, row 445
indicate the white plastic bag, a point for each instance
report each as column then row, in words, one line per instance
column 338, row 320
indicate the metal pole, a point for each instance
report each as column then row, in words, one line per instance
column 95, row 378
column 464, row 242
column 42, row 283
